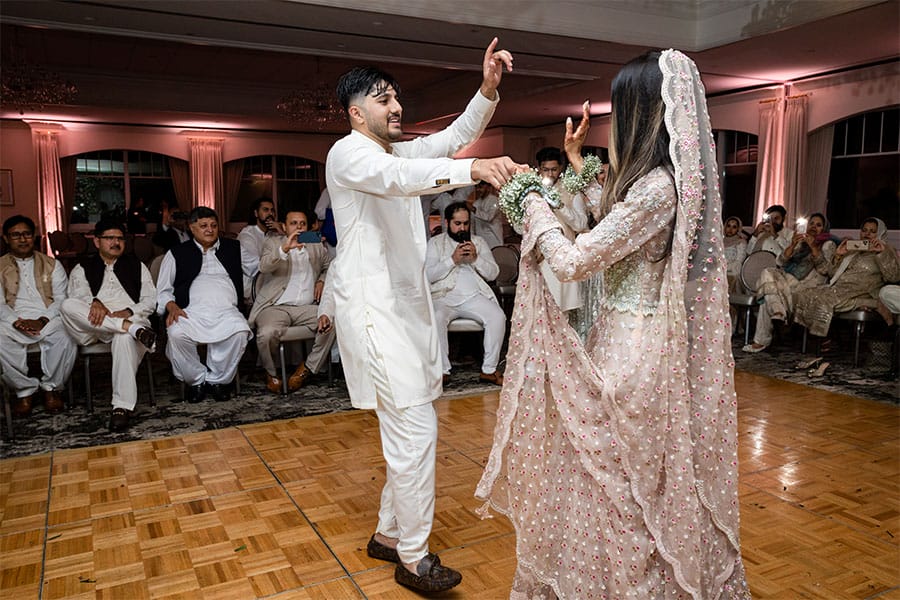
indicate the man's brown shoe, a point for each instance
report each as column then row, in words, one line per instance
column 376, row 549
column 432, row 575
column 53, row 402
column 21, row 407
column 299, row 377
column 495, row 378
column 273, row 384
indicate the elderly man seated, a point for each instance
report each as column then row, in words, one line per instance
column 458, row 267
column 111, row 297
column 293, row 276
column 32, row 288
column 201, row 286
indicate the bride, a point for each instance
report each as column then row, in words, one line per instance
column 616, row 458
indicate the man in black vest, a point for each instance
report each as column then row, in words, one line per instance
column 201, row 288
column 111, row 296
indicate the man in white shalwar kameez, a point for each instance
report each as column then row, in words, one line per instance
column 383, row 312
column 200, row 291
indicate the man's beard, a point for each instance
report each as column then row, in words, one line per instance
column 459, row 236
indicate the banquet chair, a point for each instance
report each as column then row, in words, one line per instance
column 7, row 409
column 751, row 269
column 97, row 349
column 858, row 318
column 507, row 258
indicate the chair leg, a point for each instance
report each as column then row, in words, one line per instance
column 150, row 381
column 7, row 414
column 284, row 383
column 747, row 327
column 88, row 400
column 803, row 345
column 859, row 328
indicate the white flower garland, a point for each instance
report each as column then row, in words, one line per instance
column 575, row 182
column 514, row 192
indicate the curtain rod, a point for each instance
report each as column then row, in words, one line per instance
column 786, row 98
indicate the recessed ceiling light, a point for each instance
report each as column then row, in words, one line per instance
column 377, row 23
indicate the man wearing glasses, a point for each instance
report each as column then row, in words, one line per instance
column 111, row 296
column 32, row 287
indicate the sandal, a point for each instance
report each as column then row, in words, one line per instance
column 808, row 364
column 818, row 372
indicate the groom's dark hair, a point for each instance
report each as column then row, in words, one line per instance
column 362, row 81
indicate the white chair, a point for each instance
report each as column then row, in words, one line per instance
column 507, row 258
column 751, row 269
column 859, row 318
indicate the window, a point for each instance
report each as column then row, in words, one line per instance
column 739, row 167
column 288, row 180
column 127, row 185
column 864, row 170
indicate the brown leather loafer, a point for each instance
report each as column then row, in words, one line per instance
column 299, row 377
column 495, row 378
column 53, row 402
column 432, row 575
column 21, row 407
column 273, row 384
column 376, row 549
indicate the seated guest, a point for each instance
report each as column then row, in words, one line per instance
column 770, row 234
column 855, row 278
column 735, row 252
column 293, row 276
column 201, row 287
column 32, row 287
column 253, row 238
column 111, row 296
column 458, row 269
column 795, row 271
column 172, row 228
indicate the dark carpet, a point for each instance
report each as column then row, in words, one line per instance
column 76, row 428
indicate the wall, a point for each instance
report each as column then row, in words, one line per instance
column 17, row 154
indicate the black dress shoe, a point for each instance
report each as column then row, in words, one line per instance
column 147, row 337
column 376, row 549
column 431, row 575
column 118, row 420
column 195, row 393
column 220, row 392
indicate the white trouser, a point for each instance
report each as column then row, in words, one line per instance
column 764, row 325
column 890, row 297
column 58, row 352
column 478, row 308
column 126, row 351
column 222, row 357
column 408, row 442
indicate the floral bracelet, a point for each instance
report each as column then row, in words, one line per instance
column 513, row 194
column 575, row 182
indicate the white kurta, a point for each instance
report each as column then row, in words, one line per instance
column 379, row 273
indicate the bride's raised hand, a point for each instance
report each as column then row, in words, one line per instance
column 574, row 139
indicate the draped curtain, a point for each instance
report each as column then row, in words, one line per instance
column 181, row 181
column 206, row 174
column 768, row 172
column 50, row 190
column 68, row 174
column 818, row 167
column 794, row 153
column 234, row 171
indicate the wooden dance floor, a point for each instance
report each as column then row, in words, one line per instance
column 284, row 509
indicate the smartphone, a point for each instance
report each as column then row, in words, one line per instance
column 858, row 245
column 464, row 236
column 309, row 237
column 801, row 226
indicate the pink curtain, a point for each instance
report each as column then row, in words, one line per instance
column 234, row 170
column 181, row 181
column 769, row 164
column 206, row 174
column 818, row 168
column 794, row 135
column 50, row 190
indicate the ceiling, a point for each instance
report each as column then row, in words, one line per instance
column 226, row 64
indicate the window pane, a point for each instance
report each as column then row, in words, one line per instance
column 891, row 132
column 861, row 187
column 738, row 190
column 97, row 197
column 854, row 135
column 872, row 133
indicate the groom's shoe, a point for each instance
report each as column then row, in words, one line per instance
column 376, row 549
column 430, row 576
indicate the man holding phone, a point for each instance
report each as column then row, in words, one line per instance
column 292, row 275
column 253, row 238
column 458, row 266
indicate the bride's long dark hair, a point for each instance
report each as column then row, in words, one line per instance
column 639, row 140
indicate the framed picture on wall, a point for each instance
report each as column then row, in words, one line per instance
column 6, row 188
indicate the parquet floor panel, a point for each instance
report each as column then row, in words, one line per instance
column 284, row 509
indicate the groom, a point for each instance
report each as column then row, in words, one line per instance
column 383, row 311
